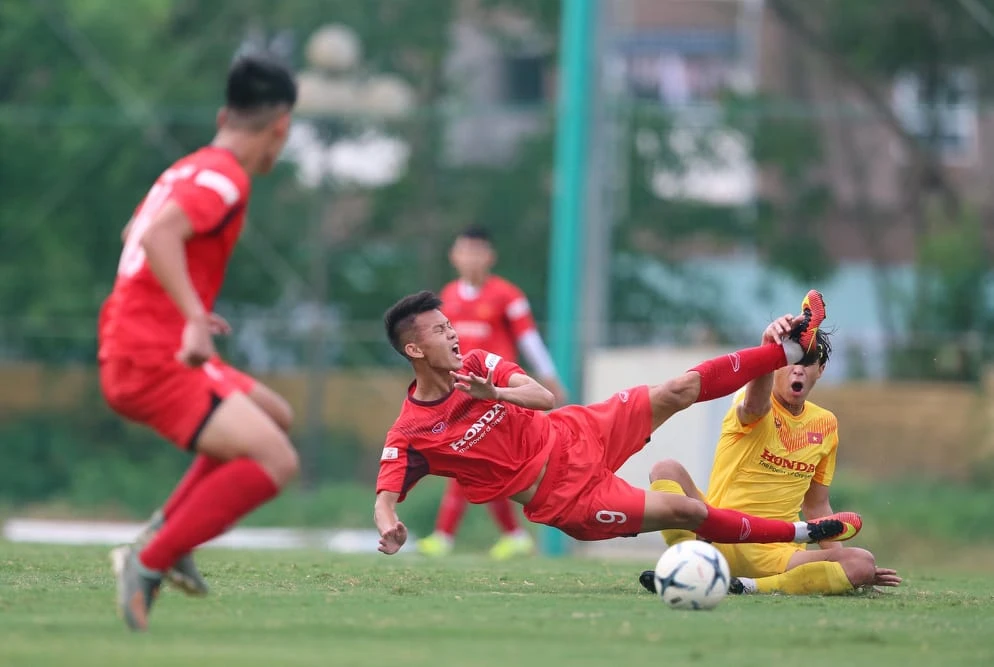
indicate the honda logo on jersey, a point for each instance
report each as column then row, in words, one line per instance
column 480, row 427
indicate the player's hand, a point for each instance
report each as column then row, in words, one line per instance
column 197, row 346
column 218, row 325
column 393, row 539
column 886, row 577
column 780, row 328
column 475, row 386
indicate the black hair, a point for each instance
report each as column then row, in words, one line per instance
column 477, row 233
column 399, row 318
column 824, row 340
column 258, row 81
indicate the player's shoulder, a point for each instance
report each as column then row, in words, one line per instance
column 822, row 415
column 480, row 361
column 449, row 291
column 217, row 169
column 503, row 285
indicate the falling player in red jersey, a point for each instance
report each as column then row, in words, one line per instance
column 481, row 420
column 157, row 360
column 493, row 314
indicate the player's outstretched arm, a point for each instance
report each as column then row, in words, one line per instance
column 393, row 533
column 521, row 390
column 757, row 401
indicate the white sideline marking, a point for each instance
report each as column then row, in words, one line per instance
column 42, row 531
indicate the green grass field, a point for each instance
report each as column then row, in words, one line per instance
column 306, row 608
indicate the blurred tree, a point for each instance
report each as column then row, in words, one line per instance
column 937, row 45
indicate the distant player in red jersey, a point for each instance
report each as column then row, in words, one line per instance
column 157, row 360
column 480, row 419
column 493, row 314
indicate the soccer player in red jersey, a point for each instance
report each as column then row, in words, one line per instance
column 480, row 419
column 493, row 314
column 158, row 365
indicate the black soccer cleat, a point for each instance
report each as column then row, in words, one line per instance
column 735, row 586
column 648, row 581
column 805, row 333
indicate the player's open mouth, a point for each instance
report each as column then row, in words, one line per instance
column 455, row 351
column 797, row 387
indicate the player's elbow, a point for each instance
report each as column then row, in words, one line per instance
column 546, row 399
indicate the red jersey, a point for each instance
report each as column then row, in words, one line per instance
column 139, row 319
column 492, row 317
column 493, row 449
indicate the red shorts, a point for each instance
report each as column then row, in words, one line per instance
column 579, row 493
column 171, row 398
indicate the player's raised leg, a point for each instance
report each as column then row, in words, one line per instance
column 725, row 375
column 185, row 575
column 258, row 461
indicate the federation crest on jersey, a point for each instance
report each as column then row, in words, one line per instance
column 491, row 361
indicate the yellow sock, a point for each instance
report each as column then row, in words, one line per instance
column 672, row 536
column 821, row 577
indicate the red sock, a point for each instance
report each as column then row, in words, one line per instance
column 503, row 513
column 725, row 375
column 234, row 490
column 731, row 526
column 198, row 470
column 451, row 511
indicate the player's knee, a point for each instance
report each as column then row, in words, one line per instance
column 281, row 462
column 859, row 565
column 675, row 511
column 669, row 469
column 282, row 414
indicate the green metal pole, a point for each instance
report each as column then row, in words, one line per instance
column 566, row 241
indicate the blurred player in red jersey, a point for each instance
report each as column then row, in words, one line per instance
column 493, row 314
column 158, row 365
column 480, row 419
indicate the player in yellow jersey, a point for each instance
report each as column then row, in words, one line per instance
column 775, row 459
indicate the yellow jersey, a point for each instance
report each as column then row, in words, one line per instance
column 766, row 468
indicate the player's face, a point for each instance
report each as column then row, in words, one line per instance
column 472, row 258
column 792, row 384
column 277, row 134
column 436, row 342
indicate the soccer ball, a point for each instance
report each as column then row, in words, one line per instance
column 692, row 575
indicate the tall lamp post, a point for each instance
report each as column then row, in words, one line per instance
column 339, row 149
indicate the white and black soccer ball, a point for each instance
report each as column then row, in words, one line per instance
column 692, row 575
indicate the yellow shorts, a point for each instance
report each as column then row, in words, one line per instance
column 759, row 560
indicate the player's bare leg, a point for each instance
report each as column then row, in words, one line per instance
column 258, row 461
column 185, row 575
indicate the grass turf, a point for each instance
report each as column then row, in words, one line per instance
column 307, row 608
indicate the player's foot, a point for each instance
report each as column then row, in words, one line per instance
column 735, row 586
column 648, row 581
column 184, row 575
column 435, row 545
column 136, row 591
column 837, row 527
column 805, row 333
column 512, row 546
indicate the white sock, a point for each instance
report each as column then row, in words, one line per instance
column 801, row 533
column 748, row 585
column 792, row 350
